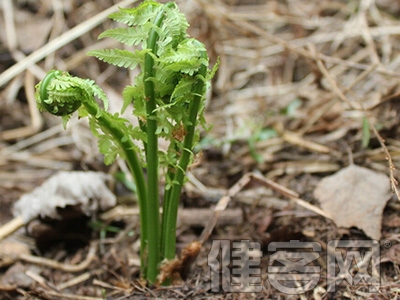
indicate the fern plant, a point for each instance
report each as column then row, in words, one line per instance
column 168, row 100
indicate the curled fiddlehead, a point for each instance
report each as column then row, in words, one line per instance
column 58, row 99
column 62, row 94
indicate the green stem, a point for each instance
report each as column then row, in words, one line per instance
column 169, row 177
column 106, row 124
column 171, row 212
column 152, row 205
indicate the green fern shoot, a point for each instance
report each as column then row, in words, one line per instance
column 168, row 100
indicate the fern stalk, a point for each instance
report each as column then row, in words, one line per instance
column 61, row 94
column 106, row 123
column 152, row 203
column 172, row 202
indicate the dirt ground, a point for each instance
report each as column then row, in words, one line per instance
column 305, row 92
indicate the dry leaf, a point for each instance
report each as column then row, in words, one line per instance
column 355, row 196
column 84, row 189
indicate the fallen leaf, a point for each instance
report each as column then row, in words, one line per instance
column 86, row 190
column 355, row 196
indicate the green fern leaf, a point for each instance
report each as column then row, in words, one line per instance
column 186, row 58
column 98, row 92
column 108, row 149
column 120, row 58
column 137, row 16
column 183, row 88
column 162, row 87
column 137, row 134
column 65, row 120
column 128, row 95
column 134, row 94
column 172, row 31
column 210, row 74
column 128, row 36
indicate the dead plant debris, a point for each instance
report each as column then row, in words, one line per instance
column 355, row 196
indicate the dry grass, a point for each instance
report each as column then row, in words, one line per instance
column 320, row 76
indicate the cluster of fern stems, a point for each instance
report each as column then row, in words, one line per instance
column 168, row 100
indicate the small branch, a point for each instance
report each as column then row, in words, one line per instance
column 238, row 186
column 392, row 168
column 45, row 262
column 59, row 42
column 11, row 226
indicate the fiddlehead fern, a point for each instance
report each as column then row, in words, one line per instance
column 62, row 94
column 168, row 100
column 56, row 101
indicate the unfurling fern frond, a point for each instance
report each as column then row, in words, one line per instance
column 172, row 31
column 137, row 16
column 186, row 58
column 183, row 88
column 62, row 94
column 128, row 36
column 120, row 58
